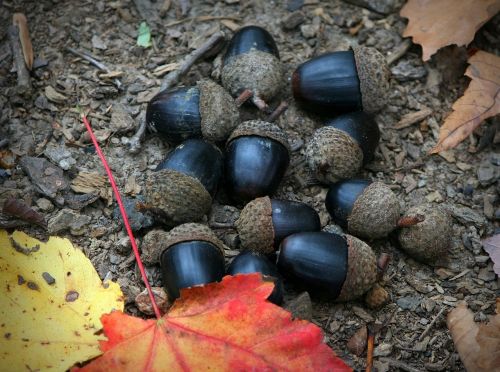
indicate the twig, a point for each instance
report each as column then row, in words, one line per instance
column 382, row 264
column 101, row 66
column 408, row 221
column 134, row 143
column 23, row 75
column 283, row 106
column 371, row 346
column 400, row 51
column 261, row 104
column 399, row 364
column 431, row 324
column 173, row 78
column 243, row 97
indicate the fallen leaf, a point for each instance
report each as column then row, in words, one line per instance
column 51, row 303
column 144, row 35
column 19, row 19
column 436, row 23
column 221, row 326
column 477, row 346
column 492, row 247
column 358, row 341
column 480, row 101
column 19, row 209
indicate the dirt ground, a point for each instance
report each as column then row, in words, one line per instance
column 45, row 124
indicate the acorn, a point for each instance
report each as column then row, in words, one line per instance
column 341, row 267
column 265, row 222
column 429, row 238
column 191, row 255
column 339, row 149
column 257, row 156
column 337, row 82
column 366, row 209
column 204, row 110
column 252, row 63
column 250, row 262
column 182, row 187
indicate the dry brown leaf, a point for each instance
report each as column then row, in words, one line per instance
column 492, row 246
column 480, row 101
column 436, row 23
column 19, row 19
column 478, row 346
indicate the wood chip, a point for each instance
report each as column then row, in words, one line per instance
column 163, row 69
column 54, row 96
column 412, row 118
column 93, row 182
column 233, row 26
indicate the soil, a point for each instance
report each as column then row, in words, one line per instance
column 45, row 124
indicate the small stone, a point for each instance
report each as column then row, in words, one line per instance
column 333, row 229
column 60, row 155
column 463, row 166
column 293, row 5
column 115, row 259
column 292, row 20
column 468, row 190
column 384, row 349
column 223, row 215
column 300, row 306
column 450, row 191
column 487, row 174
column 45, row 205
column 121, row 121
column 486, row 274
column 97, row 43
column 448, row 155
column 465, row 215
column 409, row 303
column 137, row 219
column 406, row 71
column 434, row 196
column 363, row 314
column 68, row 219
column 488, row 208
column 310, row 30
column 123, row 246
column 143, row 302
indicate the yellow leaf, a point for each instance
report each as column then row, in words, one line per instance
column 437, row 23
column 50, row 304
column 480, row 101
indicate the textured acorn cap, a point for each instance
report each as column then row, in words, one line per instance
column 430, row 239
column 255, row 226
column 262, row 129
column 377, row 297
column 259, row 71
column 361, row 269
column 333, row 155
column 219, row 114
column 180, row 198
column 189, row 232
column 375, row 212
column 373, row 75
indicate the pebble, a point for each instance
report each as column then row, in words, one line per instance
column 60, row 155
column 143, row 302
column 487, row 174
column 409, row 302
column 223, row 215
column 486, row 274
column 310, row 30
column 137, row 219
column 45, row 205
column 384, row 349
column 121, row 121
column 300, row 306
column 333, row 229
column 488, row 208
column 292, row 20
column 68, row 219
column 465, row 215
column 406, row 71
column 468, row 190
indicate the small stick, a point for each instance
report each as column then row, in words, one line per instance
column 23, row 75
column 134, row 143
column 371, row 346
column 173, row 78
column 408, row 221
column 283, row 106
column 101, row 66
column 431, row 324
column 382, row 264
column 260, row 103
column 400, row 51
column 243, row 97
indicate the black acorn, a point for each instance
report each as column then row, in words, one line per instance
column 337, row 82
column 366, row 209
column 250, row 262
column 182, row 187
column 256, row 159
column 252, row 63
column 339, row 149
column 342, row 267
column 191, row 255
column 204, row 110
column 265, row 222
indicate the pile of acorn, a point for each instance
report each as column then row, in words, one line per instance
column 256, row 154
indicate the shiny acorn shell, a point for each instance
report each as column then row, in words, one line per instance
column 180, row 189
column 340, row 267
column 198, row 159
column 429, row 240
column 205, row 110
column 250, row 262
column 367, row 209
column 252, row 62
column 339, row 149
column 191, row 255
column 256, row 158
column 343, row 81
column 265, row 222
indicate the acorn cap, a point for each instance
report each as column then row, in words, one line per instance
column 255, row 226
column 259, row 71
column 430, row 239
column 373, row 76
column 189, row 232
column 361, row 269
column 152, row 243
column 333, row 155
column 375, row 212
column 179, row 197
column 262, row 129
column 219, row 114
